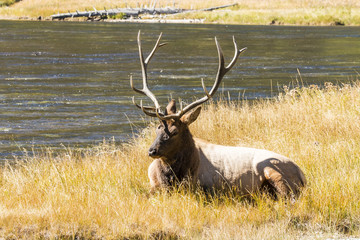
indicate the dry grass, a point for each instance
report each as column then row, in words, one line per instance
column 293, row 16
column 102, row 192
column 308, row 12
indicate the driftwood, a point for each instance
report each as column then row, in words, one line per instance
column 129, row 12
column 134, row 12
column 212, row 8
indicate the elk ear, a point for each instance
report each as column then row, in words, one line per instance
column 190, row 117
column 171, row 107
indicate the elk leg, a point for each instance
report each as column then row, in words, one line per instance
column 160, row 175
column 154, row 172
column 278, row 181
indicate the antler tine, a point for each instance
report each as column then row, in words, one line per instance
column 145, row 90
column 142, row 107
column 221, row 69
column 236, row 55
column 157, row 45
column 204, row 87
column 133, row 88
column 145, row 109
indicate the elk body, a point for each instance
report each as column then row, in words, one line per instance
column 179, row 156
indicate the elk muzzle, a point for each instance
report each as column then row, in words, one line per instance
column 153, row 152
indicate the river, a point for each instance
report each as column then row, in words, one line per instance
column 67, row 83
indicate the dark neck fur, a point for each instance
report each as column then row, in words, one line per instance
column 185, row 162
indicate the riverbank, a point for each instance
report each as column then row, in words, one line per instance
column 103, row 192
column 261, row 12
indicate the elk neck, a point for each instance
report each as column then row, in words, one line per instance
column 185, row 159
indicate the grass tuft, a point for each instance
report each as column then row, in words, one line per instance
column 103, row 192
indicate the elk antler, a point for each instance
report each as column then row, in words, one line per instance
column 145, row 90
column 156, row 111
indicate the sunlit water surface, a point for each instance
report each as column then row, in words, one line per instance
column 67, row 84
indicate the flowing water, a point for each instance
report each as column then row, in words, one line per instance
column 67, row 83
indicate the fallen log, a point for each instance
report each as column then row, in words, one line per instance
column 130, row 12
column 208, row 9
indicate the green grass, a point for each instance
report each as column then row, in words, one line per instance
column 103, row 191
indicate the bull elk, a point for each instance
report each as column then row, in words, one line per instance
column 178, row 155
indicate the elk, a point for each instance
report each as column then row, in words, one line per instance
column 179, row 156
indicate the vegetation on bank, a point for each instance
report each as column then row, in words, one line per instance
column 289, row 12
column 103, row 192
column 8, row 2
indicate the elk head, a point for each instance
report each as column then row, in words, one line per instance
column 173, row 131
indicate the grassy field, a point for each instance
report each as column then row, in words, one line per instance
column 290, row 12
column 103, row 192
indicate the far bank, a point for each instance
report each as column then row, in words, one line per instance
column 313, row 13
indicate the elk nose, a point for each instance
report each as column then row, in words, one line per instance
column 152, row 152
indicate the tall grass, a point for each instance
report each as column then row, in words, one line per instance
column 103, row 192
column 308, row 12
column 294, row 16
